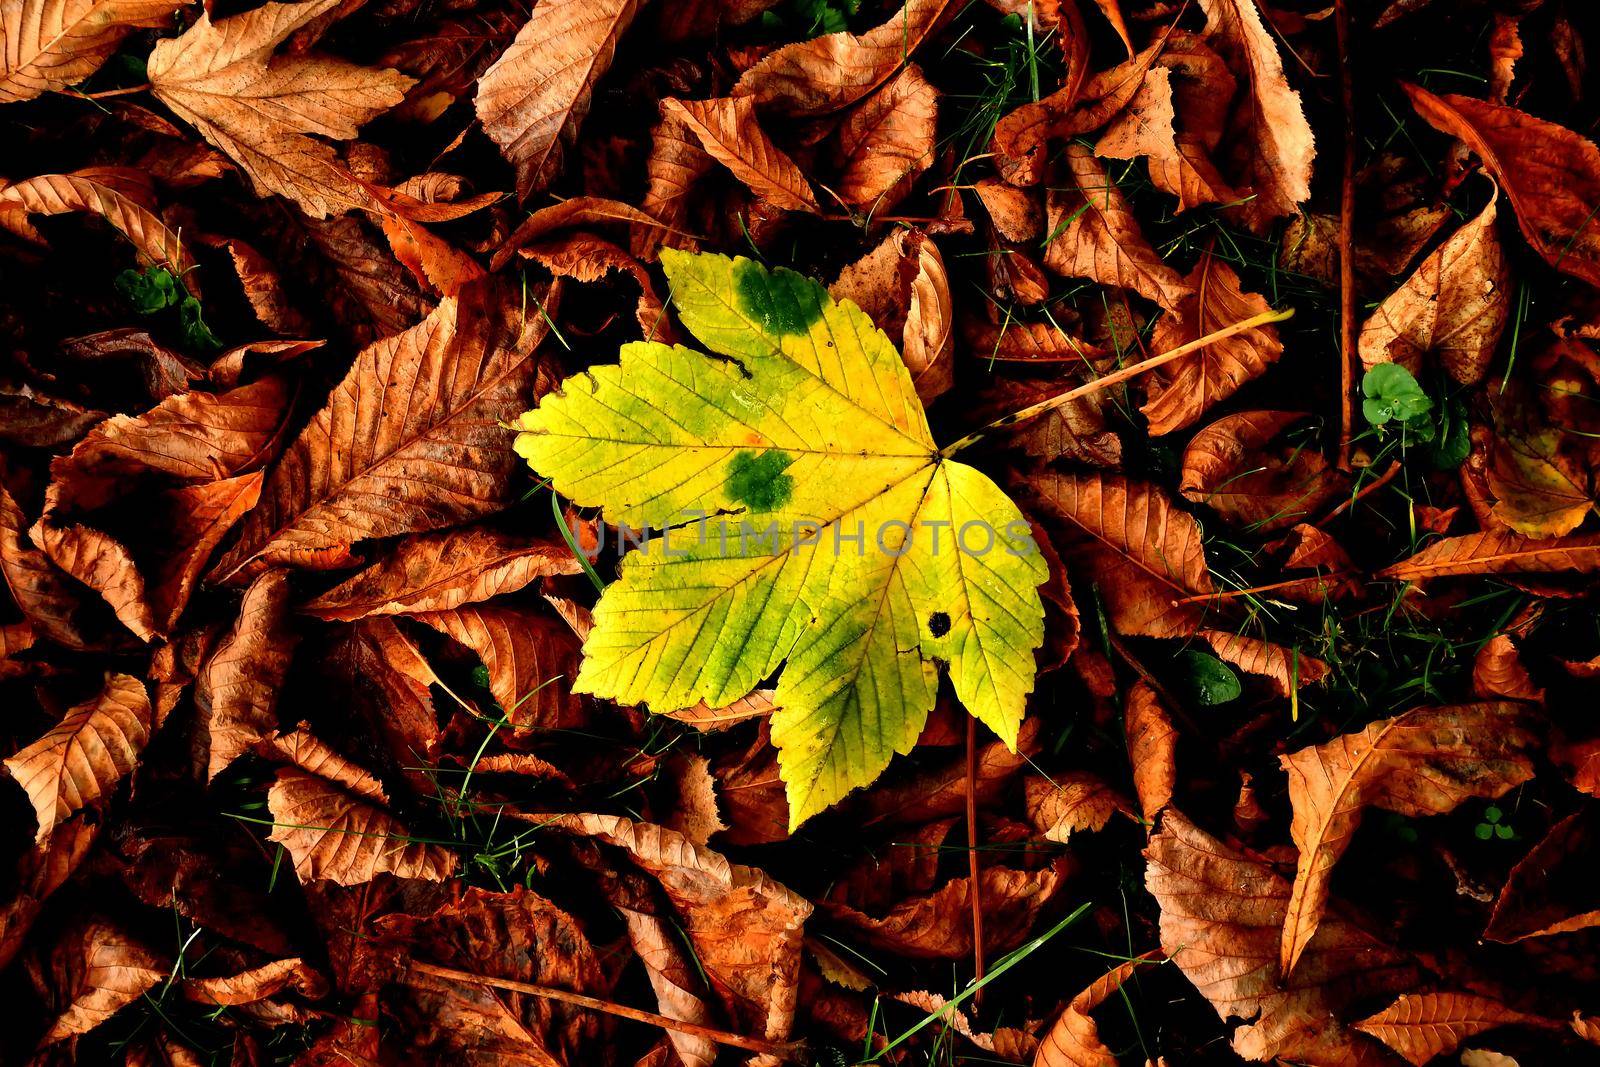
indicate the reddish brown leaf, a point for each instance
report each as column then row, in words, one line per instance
column 746, row 929
column 1094, row 234
column 1143, row 553
column 121, row 196
column 1288, row 669
column 1551, row 890
column 531, row 660
column 1229, row 467
column 80, row 761
column 419, row 444
column 1077, row 800
column 1221, row 913
column 1550, row 174
column 887, row 140
column 1455, row 304
column 1152, row 749
column 833, row 71
column 1074, row 1039
column 1271, row 142
column 263, row 110
column 443, row 570
column 729, row 132
column 97, row 971
column 1188, row 386
column 1421, row 1026
column 238, row 688
column 1499, row 552
column 51, row 44
column 333, row 833
column 1424, row 762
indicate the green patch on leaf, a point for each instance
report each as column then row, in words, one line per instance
column 758, row 482
column 783, row 302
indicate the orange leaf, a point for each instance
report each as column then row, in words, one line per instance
column 1425, row 762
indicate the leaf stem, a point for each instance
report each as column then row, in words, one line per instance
column 108, row 93
column 790, row 1052
column 972, row 862
column 1133, row 370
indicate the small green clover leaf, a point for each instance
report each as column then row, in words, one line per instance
column 1391, row 394
column 148, row 291
column 1493, row 826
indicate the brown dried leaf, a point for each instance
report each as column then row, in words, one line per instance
column 902, row 285
column 1221, row 913
column 98, row 970
column 587, row 258
column 409, row 441
column 1152, row 749
column 1094, row 234
column 262, row 110
column 1421, row 1026
column 1021, row 137
column 519, row 936
column 442, row 570
column 676, row 164
column 1272, row 144
column 120, row 195
column 238, row 688
column 1454, row 304
column 1551, row 890
column 887, row 140
column 1288, row 669
column 1190, row 385
column 746, row 929
column 675, row 983
column 1425, row 762
column 1498, row 552
column 51, row 44
column 1550, row 174
column 531, row 660
column 82, row 759
column 42, row 592
column 1229, row 467
column 258, row 983
column 1142, row 552
column 193, row 437
column 1077, row 800
column 833, row 71
column 1498, row 673
column 1074, row 1039
column 532, row 100
column 1176, row 124
column 938, row 925
column 332, row 833
column 729, row 132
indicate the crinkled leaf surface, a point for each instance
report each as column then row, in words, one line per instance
column 801, row 432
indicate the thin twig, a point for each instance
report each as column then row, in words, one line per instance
column 972, row 860
column 1227, row 594
column 1347, row 266
column 792, row 1052
column 1133, row 370
column 1371, row 487
column 108, row 93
